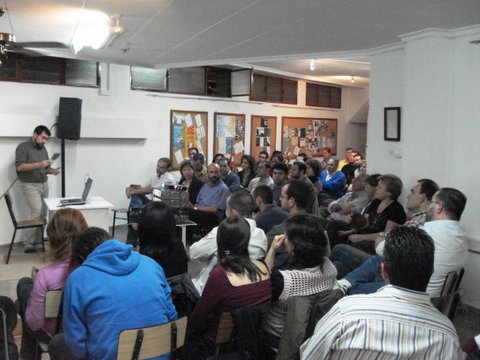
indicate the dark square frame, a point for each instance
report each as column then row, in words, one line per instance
column 392, row 121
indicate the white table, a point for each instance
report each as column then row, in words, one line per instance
column 184, row 225
column 95, row 211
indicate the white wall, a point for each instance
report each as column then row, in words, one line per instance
column 434, row 77
column 125, row 132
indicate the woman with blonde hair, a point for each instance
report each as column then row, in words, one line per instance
column 61, row 230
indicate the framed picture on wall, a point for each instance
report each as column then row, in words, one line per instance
column 392, row 124
column 263, row 134
column 229, row 136
column 308, row 135
column 188, row 129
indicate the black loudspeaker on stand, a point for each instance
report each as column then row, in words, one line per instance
column 68, row 126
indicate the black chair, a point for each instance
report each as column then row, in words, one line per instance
column 119, row 214
column 20, row 225
column 8, row 322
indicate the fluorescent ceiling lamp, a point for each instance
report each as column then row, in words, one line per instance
column 93, row 30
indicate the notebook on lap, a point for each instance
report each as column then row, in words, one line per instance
column 79, row 201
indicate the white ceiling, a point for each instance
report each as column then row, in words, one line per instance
column 274, row 35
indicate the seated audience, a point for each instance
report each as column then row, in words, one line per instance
column 192, row 152
column 114, row 289
column 314, row 169
column 277, row 158
column 209, row 208
column 366, row 278
column 333, row 184
column 61, row 230
column 384, row 213
column 204, row 251
column 137, row 195
column 268, row 214
column 189, row 179
column 248, row 170
column 309, row 272
column 228, row 177
column 342, row 163
column 237, row 282
column 398, row 321
column 200, row 168
column 299, row 172
column 217, row 158
column 349, row 168
column 279, row 176
column 263, row 176
column 294, row 199
column 263, row 156
column 326, row 155
column 341, row 211
column 157, row 239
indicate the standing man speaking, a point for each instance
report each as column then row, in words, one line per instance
column 32, row 166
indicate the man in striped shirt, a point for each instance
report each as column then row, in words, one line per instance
column 398, row 321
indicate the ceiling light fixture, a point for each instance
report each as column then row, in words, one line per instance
column 312, row 65
column 116, row 28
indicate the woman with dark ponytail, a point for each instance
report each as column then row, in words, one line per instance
column 236, row 282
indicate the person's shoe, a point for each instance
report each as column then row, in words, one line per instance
column 29, row 248
column 343, row 285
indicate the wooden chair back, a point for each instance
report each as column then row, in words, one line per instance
column 449, row 298
column 452, row 282
column 53, row 302
column 144, row 343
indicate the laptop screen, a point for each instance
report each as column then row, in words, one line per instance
column 86, row 190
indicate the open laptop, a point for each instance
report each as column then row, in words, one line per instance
column 79, row 201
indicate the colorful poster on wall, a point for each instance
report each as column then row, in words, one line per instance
column 230, row 136
column 309, row 136
column 188, row 129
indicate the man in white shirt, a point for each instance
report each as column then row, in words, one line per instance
column 398, row 321
column 138, row 194
column 163, row 176
column 263, row 178
column 204, row 251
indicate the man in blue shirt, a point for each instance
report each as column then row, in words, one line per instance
column 211, row 200
column 228, row 177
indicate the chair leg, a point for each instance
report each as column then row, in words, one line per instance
column 42, row 239
column 11, row 246
column 113, row 225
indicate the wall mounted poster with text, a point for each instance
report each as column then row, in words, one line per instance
column 229, row 136
column 188, row 129
column 263, row 134
column 308, row 135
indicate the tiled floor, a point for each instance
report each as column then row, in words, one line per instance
column 466, row 321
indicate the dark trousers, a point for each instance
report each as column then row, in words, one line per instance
column 29, row 337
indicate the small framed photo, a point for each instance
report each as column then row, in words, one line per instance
column 392, row 124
